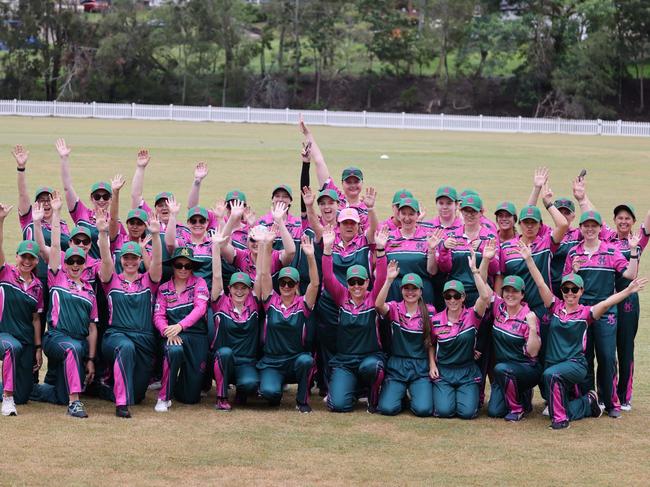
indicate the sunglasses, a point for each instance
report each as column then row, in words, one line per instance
column 252, row 240
column 101, row 196
column 570, row 289
column 136, row 222
column 452, row 296
column 179, row 265
column 75, row 261
column 287, row 283
column 199, row 221
column 44, row 200
column 355, row 281
column 81, row 241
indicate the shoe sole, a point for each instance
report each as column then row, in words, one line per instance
column 12, row 413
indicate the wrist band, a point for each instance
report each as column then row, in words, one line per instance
column 549, row 205
column 20, row 169
column 38, row 346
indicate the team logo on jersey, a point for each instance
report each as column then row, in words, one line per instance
column 611, row 319
column 601, row 260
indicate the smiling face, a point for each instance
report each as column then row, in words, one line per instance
column 130, row 263
column 505, row 221
column 281, row 196
column 590, row 230
column 348, row 229
column 45, row 199
column 453, row 300
column 352, row 187
column 74, row 267
column 239, row 292
column 26, row 263
column 471, row 217
column 182, row 268
column 81, row 241
column 411, row 294
column 162, row 210
column 624, row 222
column 408, row 218
column 101, row 199
column 198, row 225
column 529, row 228
column 511, row 296
column 135, row 228
column 328, row 208
column 446, row 208
column 571, row 294
column 358, row 287
column 288, row 287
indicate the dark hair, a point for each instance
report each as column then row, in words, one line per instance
column 426, row 322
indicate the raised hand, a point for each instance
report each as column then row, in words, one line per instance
column 637, row 284
column 219, row 239
column 249, row 216
column 524, row 250
column 200, row 171
column 143, row 158
column 279, row 210
column 329, row 237
column 173, row 205
column 305, row 153
column 37, row 212
column 392, row 271
column 490, row 249
column 153, row 226
column 308, row 196
column 634, row 239
column 423, row 212
column 304, row 130
column 541, row 177
column 306, row 245
column 62, row 148
column 4, row 210
column 369, row 198
column 579, row 189
column 471, row 259
column 219, row 210
column 547, row 194
column 435, row 238
column 101, row 220
column 56, row 202
column 117, row 183
column 21, row 156
column 381, row 237
column 237, row 209
column 272, row 233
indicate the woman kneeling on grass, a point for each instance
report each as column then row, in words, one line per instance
column 566, row 366
column 288, row 332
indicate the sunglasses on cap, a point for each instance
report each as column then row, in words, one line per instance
column 287, row 283
column 179, row 265
column 197, row 220
column 570, row 289
column 75, row 261
column 452, row 296
column 80, row 241
column 355, row 281
column 101, row 196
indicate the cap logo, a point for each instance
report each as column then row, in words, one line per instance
column 530, row 211
column 30, row 246
column 185, row 252
column 470, row 200
column 446, row 191
column 591, row 214
column 403, row 195
column 410, row 278
column 355, row 271
column 452, row 284
column 235, row 193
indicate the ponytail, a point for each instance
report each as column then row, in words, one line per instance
column 426, row 322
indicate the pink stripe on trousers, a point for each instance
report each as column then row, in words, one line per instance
column 8, row 369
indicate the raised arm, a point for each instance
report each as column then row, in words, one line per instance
column 113, row 224
column 484, row 291
column 633, row 265
column 433, row 242
column 217, row 277
column 21, row 156
column 580, row 194
column 488, row 256
column 637, row 285
column 263, row 264
column 314, row 222
column 391, row 274
column 289, row 247
column 237, row 209
column 200, row 172
column 305, row 155
column 66, row 176
column 170, row 232
column 331, row 284
column 137, row 184
column 560, row 221
column 369, row 199
column 55, row 240
column 539, row 180
column 37, row 219
column 545, row 293
column 322, row 172
column 155, row 268
column 4, row 211
column 311, row 293
column 107, row 267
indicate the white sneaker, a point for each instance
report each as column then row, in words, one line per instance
column 154, row 386
column 626, row 406
column 162, row 406
column 545, row 412
column 9, row 406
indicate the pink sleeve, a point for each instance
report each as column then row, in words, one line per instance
column 239, row 258
column 201, row 297
column 444, row 259
column 25, row 219
column 79, row 212
column 392, row 311
column 645, row 237
column 502, row 260
column 213, row 222
column 116, row 243
column 272, row 299
column 568, row 264
column 305, row 308
column 94, row 315
column 276, row 263
column 329, row 184
column 144, row 206
column 381, row 267
column 150, row 284
column 619, row 262
column 548, row 242
column 54, row 276
column 160, row 312
column 496, row 303
column 331, row 283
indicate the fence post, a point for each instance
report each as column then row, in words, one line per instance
column 171, row 111
column 557, row 125
column 442, row 121
column 403, row 119
column 325, row 116
column 15, row 106
column 519, row 123
column 286, row 115
column 94, row 109
column 210, row 113
column 619, row 127
column 365, row 119
column 132, row 110
column 480, row 122
column 54, row 108
column 248, row 114
column 600, row 126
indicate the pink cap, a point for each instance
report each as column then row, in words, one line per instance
column 348, row 214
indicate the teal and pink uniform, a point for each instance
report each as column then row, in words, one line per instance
column 515, row 373
column 600, row 271
column 19, row 301
column 116, row 245
column 359, row 356
column 202, row 253
column 361, row 207
column 565, row 364
column 286, row 339
column 236, row 345
column 411, row 256
column 72, row 307
column 129, row 344
column 27, row 227
column 85, row 217
column 244, row 262
column 408, row 365
column 456, row 390
column 183, row 365
column 572, row 238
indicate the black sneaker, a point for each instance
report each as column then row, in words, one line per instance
column 560, row 425
column 303, row 408
column 122, row 412
column 596, row 408
column 614, row 413
column 240, row 398
column 76, row 409
column 371, row 409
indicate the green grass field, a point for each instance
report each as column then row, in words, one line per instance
column 255, row 445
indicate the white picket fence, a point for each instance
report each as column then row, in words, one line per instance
column 324, row 117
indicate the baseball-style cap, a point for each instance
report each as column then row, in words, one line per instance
column 348, row 214
column 625, row 207
column 574, row 279
column 101, row 186
column 330, row 193
column 413, row 280
column 446, row 192
column 530, row 212
column 235, row 194
column 283, row 187
column 197, row 210
column 565, row 203
column 74, row 252
column 409, row 203
column 591, row 215
column 455, row 286
column 515, row 282
column 356, row 271
column 138, row 214
column 508, row 207
column 351, row 171
column 131, row 248
column 289, row 273
column 186, row 252
column 472, row 201
column 28, row 247
column 80, row 230
column 400, row 195
column 240, row 277
column 165, row 195
column 467, row 192
column 43, row 189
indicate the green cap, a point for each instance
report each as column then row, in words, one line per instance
column 454, row 286
column 80, row 231
column 197, row 210
column 409, row 203
column 591, row 215
column 356, row 271
column 131, row 248
column 74, row 252
column 235, row 194
column 165, row 195
column 351, row 171
column 28, row 247
column 467, row 192
column 508, row 207
column 565, row 203
column 472, row 201
column 330, row 193
column 186, row 252
column 401, row 194
column 530, row 212
column 102, row 185
column 283, row 187
column 138, row 214
column 625, row 207
column 515, row 282
column 43, row 189
column 412, row 279
column 240, row 277
column 446, row 192
column 289, row 273
column 575, row 279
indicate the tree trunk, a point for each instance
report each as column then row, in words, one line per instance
column 317, row 65
column 281, row 49
column 296, row 40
